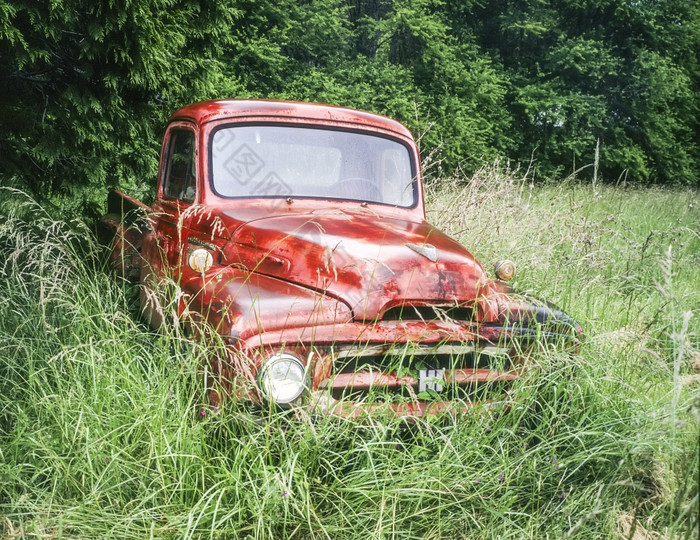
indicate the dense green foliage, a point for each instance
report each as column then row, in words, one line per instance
column 87, row 87
column 102, row 434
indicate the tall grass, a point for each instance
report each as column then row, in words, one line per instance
column 102, row 434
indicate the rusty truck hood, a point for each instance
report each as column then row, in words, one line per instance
column 370, row 261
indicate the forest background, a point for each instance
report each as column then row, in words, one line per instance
column 86, row 87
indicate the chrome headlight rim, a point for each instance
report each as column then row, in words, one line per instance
column 504, row 269
column 280, row 390
column 200, row 260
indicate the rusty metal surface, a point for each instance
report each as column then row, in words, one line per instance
column 322, row 405
column 252, row 111
column 319, row 276
column 367, row 380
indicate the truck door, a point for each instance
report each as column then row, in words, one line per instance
column 163, row 245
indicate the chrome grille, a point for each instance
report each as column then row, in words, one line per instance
column 470, row 372
column 445, row 356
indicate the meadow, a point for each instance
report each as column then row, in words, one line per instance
column 103, row 435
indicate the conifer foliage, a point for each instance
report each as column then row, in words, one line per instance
column 85, row 87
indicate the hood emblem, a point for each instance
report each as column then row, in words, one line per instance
column 428, row 251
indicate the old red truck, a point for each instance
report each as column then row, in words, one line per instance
column 297, row 233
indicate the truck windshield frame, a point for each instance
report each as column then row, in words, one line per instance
column 273, row 160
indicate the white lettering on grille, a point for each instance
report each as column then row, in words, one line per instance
column 430, row 379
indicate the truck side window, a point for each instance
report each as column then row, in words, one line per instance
column 180, row 179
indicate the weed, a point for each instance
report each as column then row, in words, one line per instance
column 102, row 433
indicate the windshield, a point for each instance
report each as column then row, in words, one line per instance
column 291, row 161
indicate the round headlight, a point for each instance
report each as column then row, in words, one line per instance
column 200, row 260
column 505, row 270
column 282, row 378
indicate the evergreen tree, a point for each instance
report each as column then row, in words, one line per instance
column 87, row 86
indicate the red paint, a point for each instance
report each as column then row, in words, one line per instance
column 314, row 275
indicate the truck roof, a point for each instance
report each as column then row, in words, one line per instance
column 208, row 111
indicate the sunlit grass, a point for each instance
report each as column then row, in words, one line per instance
column 102, row 434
